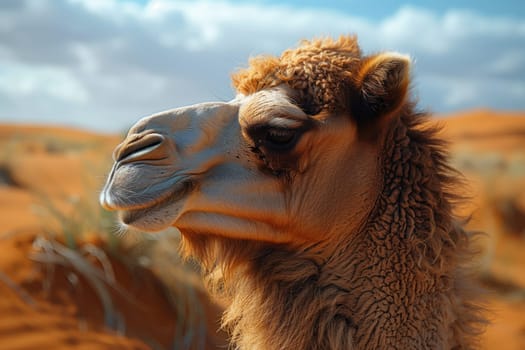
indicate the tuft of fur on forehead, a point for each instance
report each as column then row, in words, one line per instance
column 319, row 70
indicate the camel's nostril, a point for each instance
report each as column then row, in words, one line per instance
column 139, row 147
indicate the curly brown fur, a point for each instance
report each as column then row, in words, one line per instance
column 318, row 69
column 401, row 281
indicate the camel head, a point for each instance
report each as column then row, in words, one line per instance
column 293, row 158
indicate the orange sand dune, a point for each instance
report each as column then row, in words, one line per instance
column 487, row 131
column 484, row 122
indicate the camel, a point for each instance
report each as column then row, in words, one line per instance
column 318, row 201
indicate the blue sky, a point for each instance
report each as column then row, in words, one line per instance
column 380, row 9
column 102, row 64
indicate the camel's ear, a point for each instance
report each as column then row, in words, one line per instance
column 381, row 87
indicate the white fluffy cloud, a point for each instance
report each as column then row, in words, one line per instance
column 102, row 64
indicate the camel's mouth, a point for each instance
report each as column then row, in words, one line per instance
column 155, row 215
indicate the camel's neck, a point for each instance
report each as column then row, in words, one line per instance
column 395, row 283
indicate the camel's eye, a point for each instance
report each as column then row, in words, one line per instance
column 280, row 138
column 276, row 139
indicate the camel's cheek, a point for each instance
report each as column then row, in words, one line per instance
column 333, row 180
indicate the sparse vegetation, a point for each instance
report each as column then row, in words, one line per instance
column 6, row 176
column 74, row 218
column 51, row 253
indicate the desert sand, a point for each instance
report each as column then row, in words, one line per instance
column 68, row 280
